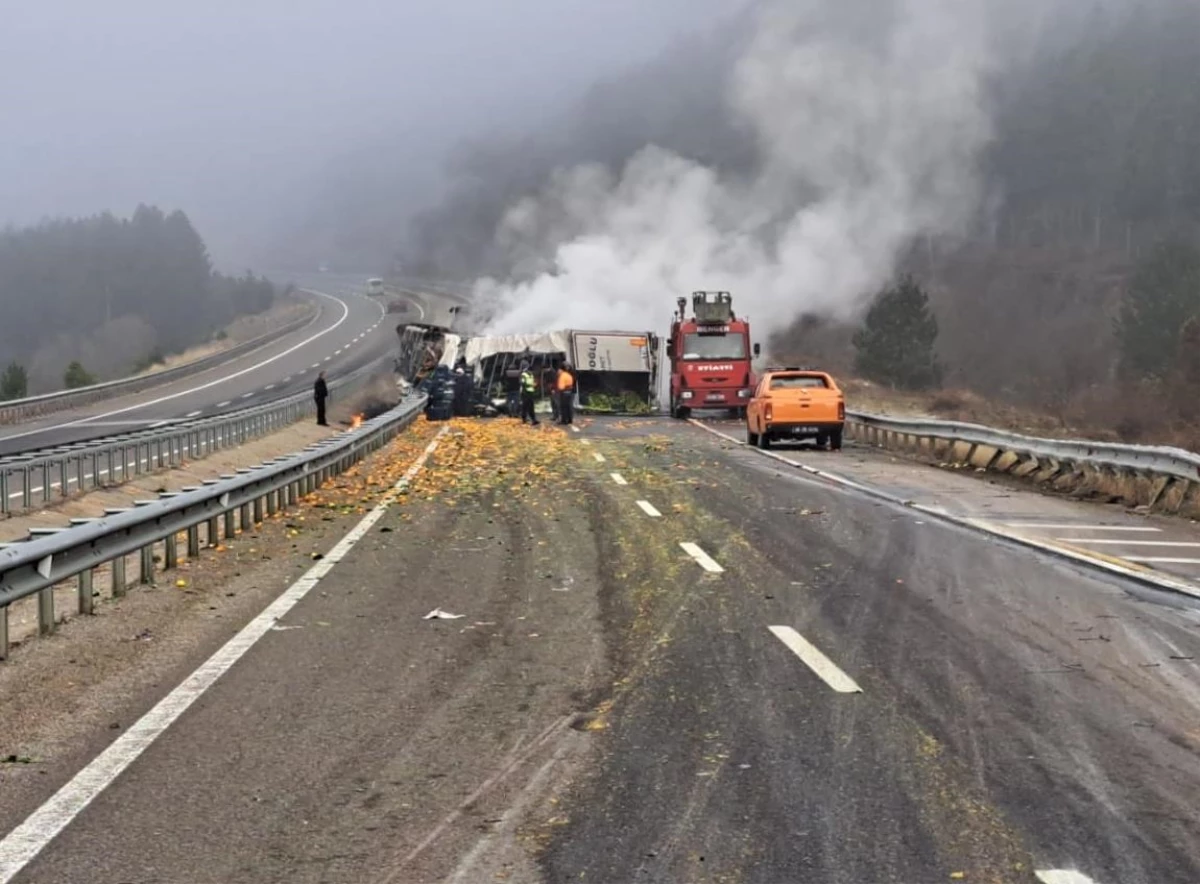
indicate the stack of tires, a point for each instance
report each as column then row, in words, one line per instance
column 440, row 390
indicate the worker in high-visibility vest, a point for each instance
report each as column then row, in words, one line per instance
column 566, row 394
column 528, row 395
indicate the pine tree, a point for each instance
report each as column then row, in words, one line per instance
column 14, row 383
column 896, row 342
column 77, row 376
column 1163, row 295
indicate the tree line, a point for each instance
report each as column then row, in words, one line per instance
column 94, row 298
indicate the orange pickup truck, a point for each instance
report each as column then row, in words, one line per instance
column 792, row 403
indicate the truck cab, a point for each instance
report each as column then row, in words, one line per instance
column 710, row 355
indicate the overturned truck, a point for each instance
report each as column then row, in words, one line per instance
column 616, row 372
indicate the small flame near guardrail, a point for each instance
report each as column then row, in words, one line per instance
column 356, row 421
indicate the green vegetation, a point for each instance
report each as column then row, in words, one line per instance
column 1162, row 296
column 895, row 345
column 108, row 291
column 624, row 403
column 77, row 376
column 14, row 383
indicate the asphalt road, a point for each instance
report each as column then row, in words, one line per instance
column 678, row 661
column 348, row 332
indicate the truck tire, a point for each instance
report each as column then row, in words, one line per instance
column 680, row 412
column 751, row 438
column 835, row 440
column 822, row 441
column 764, row 440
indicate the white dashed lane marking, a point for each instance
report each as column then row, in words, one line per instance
column 812, row 657
column 1062, row 876
column 599, row 457
column 1089, row 541
column 618, row 478
column 1138, row 529
column 707, row 562
column 648, row 509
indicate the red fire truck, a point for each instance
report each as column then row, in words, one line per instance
column 710, row 356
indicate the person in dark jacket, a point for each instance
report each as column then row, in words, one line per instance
column 320, row 394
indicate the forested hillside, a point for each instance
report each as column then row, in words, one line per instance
column 112, row 294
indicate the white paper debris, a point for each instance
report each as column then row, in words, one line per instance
column 439, row 614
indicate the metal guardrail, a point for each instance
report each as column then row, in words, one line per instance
column 15, row 410
column 222, row 507
column 1159, row 460
column 36, row 478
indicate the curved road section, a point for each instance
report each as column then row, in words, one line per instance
column 348, row 332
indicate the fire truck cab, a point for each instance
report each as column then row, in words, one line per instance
column 710, row 356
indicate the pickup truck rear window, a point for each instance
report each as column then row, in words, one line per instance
column 806, row 382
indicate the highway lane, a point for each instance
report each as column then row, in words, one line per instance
column 348, row 331
column 776, row 680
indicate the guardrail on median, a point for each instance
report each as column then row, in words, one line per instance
column 222, row 507
column 1145, row 475
column 15, row 410
column 38, row 477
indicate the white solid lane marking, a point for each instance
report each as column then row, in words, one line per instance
column 192, row 414
column 648, row 509
column 1160, row 560
column 205, row 386
column 224, row 404
column 825, row 668
column 618, row 478
column 1062, row 876
column 707, row 562
column 27, row 840
column 600, row 458
column 1088, row 541
column 1137, row 528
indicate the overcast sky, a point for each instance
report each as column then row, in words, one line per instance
column 229, row 109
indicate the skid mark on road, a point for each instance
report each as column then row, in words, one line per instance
column 26, row 841
column 812, row 657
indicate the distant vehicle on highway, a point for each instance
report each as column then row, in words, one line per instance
column 374, row 286
column 794, row 403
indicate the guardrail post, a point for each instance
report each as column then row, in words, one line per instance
column 170, row 551
column 118, row 577
column 27, row 490
column 146, row 565
column 4, row 474
column 193, row 542
column 85, row 591
column 46, row 489
column 46, row 611
column 258, row 510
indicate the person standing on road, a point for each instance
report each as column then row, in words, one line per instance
column 566, row 394
column 528, row 395
column 549, row 382
column 320, row 394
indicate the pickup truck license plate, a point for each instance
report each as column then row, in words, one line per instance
column 803, row 431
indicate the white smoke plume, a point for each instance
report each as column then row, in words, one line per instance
column 869, row 119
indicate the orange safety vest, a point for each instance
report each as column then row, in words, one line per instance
column 566, row 381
